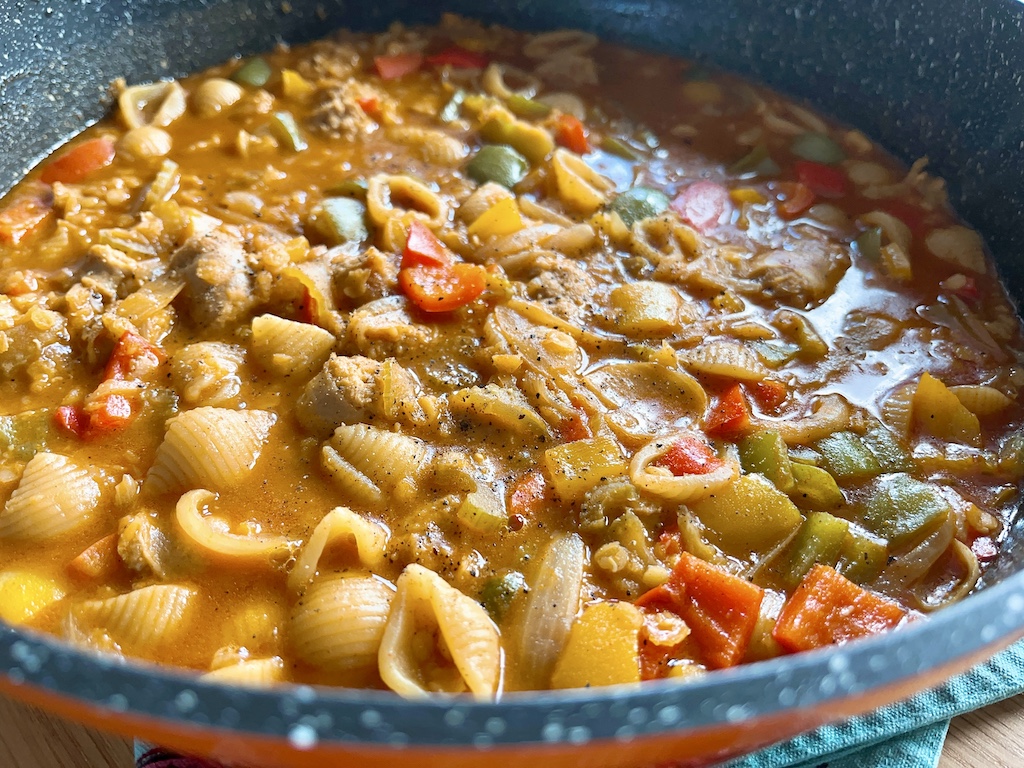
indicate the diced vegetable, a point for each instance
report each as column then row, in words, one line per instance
column 869, row 244
column 765, row 452
column 794, row 198
column 255, row 72
column 720, row 609
column 619, row 148
column 132, row 357
column 690, row 456
column 602, row 648
column 99, row 561
column 862, row 558
column 747, row 195
column 770, row 393
column 459, row 58
column 498, row 593
column 340, row 220
column 818, row 540
column 639, row 203
column 423, row 249
column 23, row 595
column 442, row 289
column 106, row 414
column 529, row 108
column 530, row 493
column 647, row 308
column 24, row 434
column 398, row 65
column 499, row 163
column 502, row 218
column 578, row 466
column 823, row 180
column 818, row 148
column 730, row 416
column 702, row 205
column 814, row 488
column 903, row 510
column 79, row 161
column 531, row 141
column 483, row 510
column 571, row 134
column 26, row 210
column 758, row 162
column 891, row 456
column 286, row 131
column 938, row 412
column 827, row 609
column 749, row 516
column 774, row 352
column 451, row 111
column 294, row 85
column 847, row 458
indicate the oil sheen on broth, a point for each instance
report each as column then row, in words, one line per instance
column 457, row 359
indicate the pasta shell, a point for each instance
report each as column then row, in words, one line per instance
column 664, row 238
column 157, row 104
column 551, row 608
column 285, row 347
column 405, row 198
column 343, row 525
column 579, row 186
column 250, row 672
column 435, row 147
column 338, row 625
column 427, row 607
column 682, row 489
column 384, row 457
column 212, row 535
column 54, row 495
column 495, row 76
column 143, row 621
column 727, row 359
column 351, row 481
column 483, row 199
column 981, row 400
column 209, row 448
column 897, row 410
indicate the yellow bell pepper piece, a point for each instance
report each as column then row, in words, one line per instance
column 24, row 594
column 747, row 195
column 750, row 516
column 601, row 649
column 938, row 412
column 294, row 85
column 578, row 466
column 500, row 219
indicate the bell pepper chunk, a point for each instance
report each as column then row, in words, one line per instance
column 79, row 161
column 132, row 357
column 571, row 134
column 730, row 417
column 423, row 249
column 823, row 180
column 765, row 453
column 794, row 198
column 442, row 289
column 398, row 65
column 98, row 561
column 720, row 609
column 819, row 540
column 690, row 456
column 827, row 609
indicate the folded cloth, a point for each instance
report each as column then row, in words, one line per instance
column 908, row 734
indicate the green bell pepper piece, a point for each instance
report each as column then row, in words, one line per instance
column 862, row 558
column 499, row 163
column 818, row 148
column 286, row 131
column 529, row 108
column 341, row 220
column 758, row 162
column 818, row 540
column 891, row 456
column 639, row 203
column 869, row 244
column 903, row 510
column 847, row 458
column 814, row 488
column 498, row 592
column 765, row 452
column 255, row 72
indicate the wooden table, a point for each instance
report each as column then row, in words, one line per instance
column 992, row 737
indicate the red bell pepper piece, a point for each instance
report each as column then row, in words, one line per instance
column 71, row 420
column 828, row 608
column 770, row 394
column 458, row 57
column 690, row 456
column 529, row 494
column 442, row 289
column 720, row 609
column 823, row 180
column 571, row 134
column 702, row 205
column 398, row 65
column 107, row 414
column 730, row 417
column 79, row 161
column 132, row 358
column 423, row 249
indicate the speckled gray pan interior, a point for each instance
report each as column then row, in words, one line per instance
column 935, row 78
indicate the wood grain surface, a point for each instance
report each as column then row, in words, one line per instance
column 992, row 737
